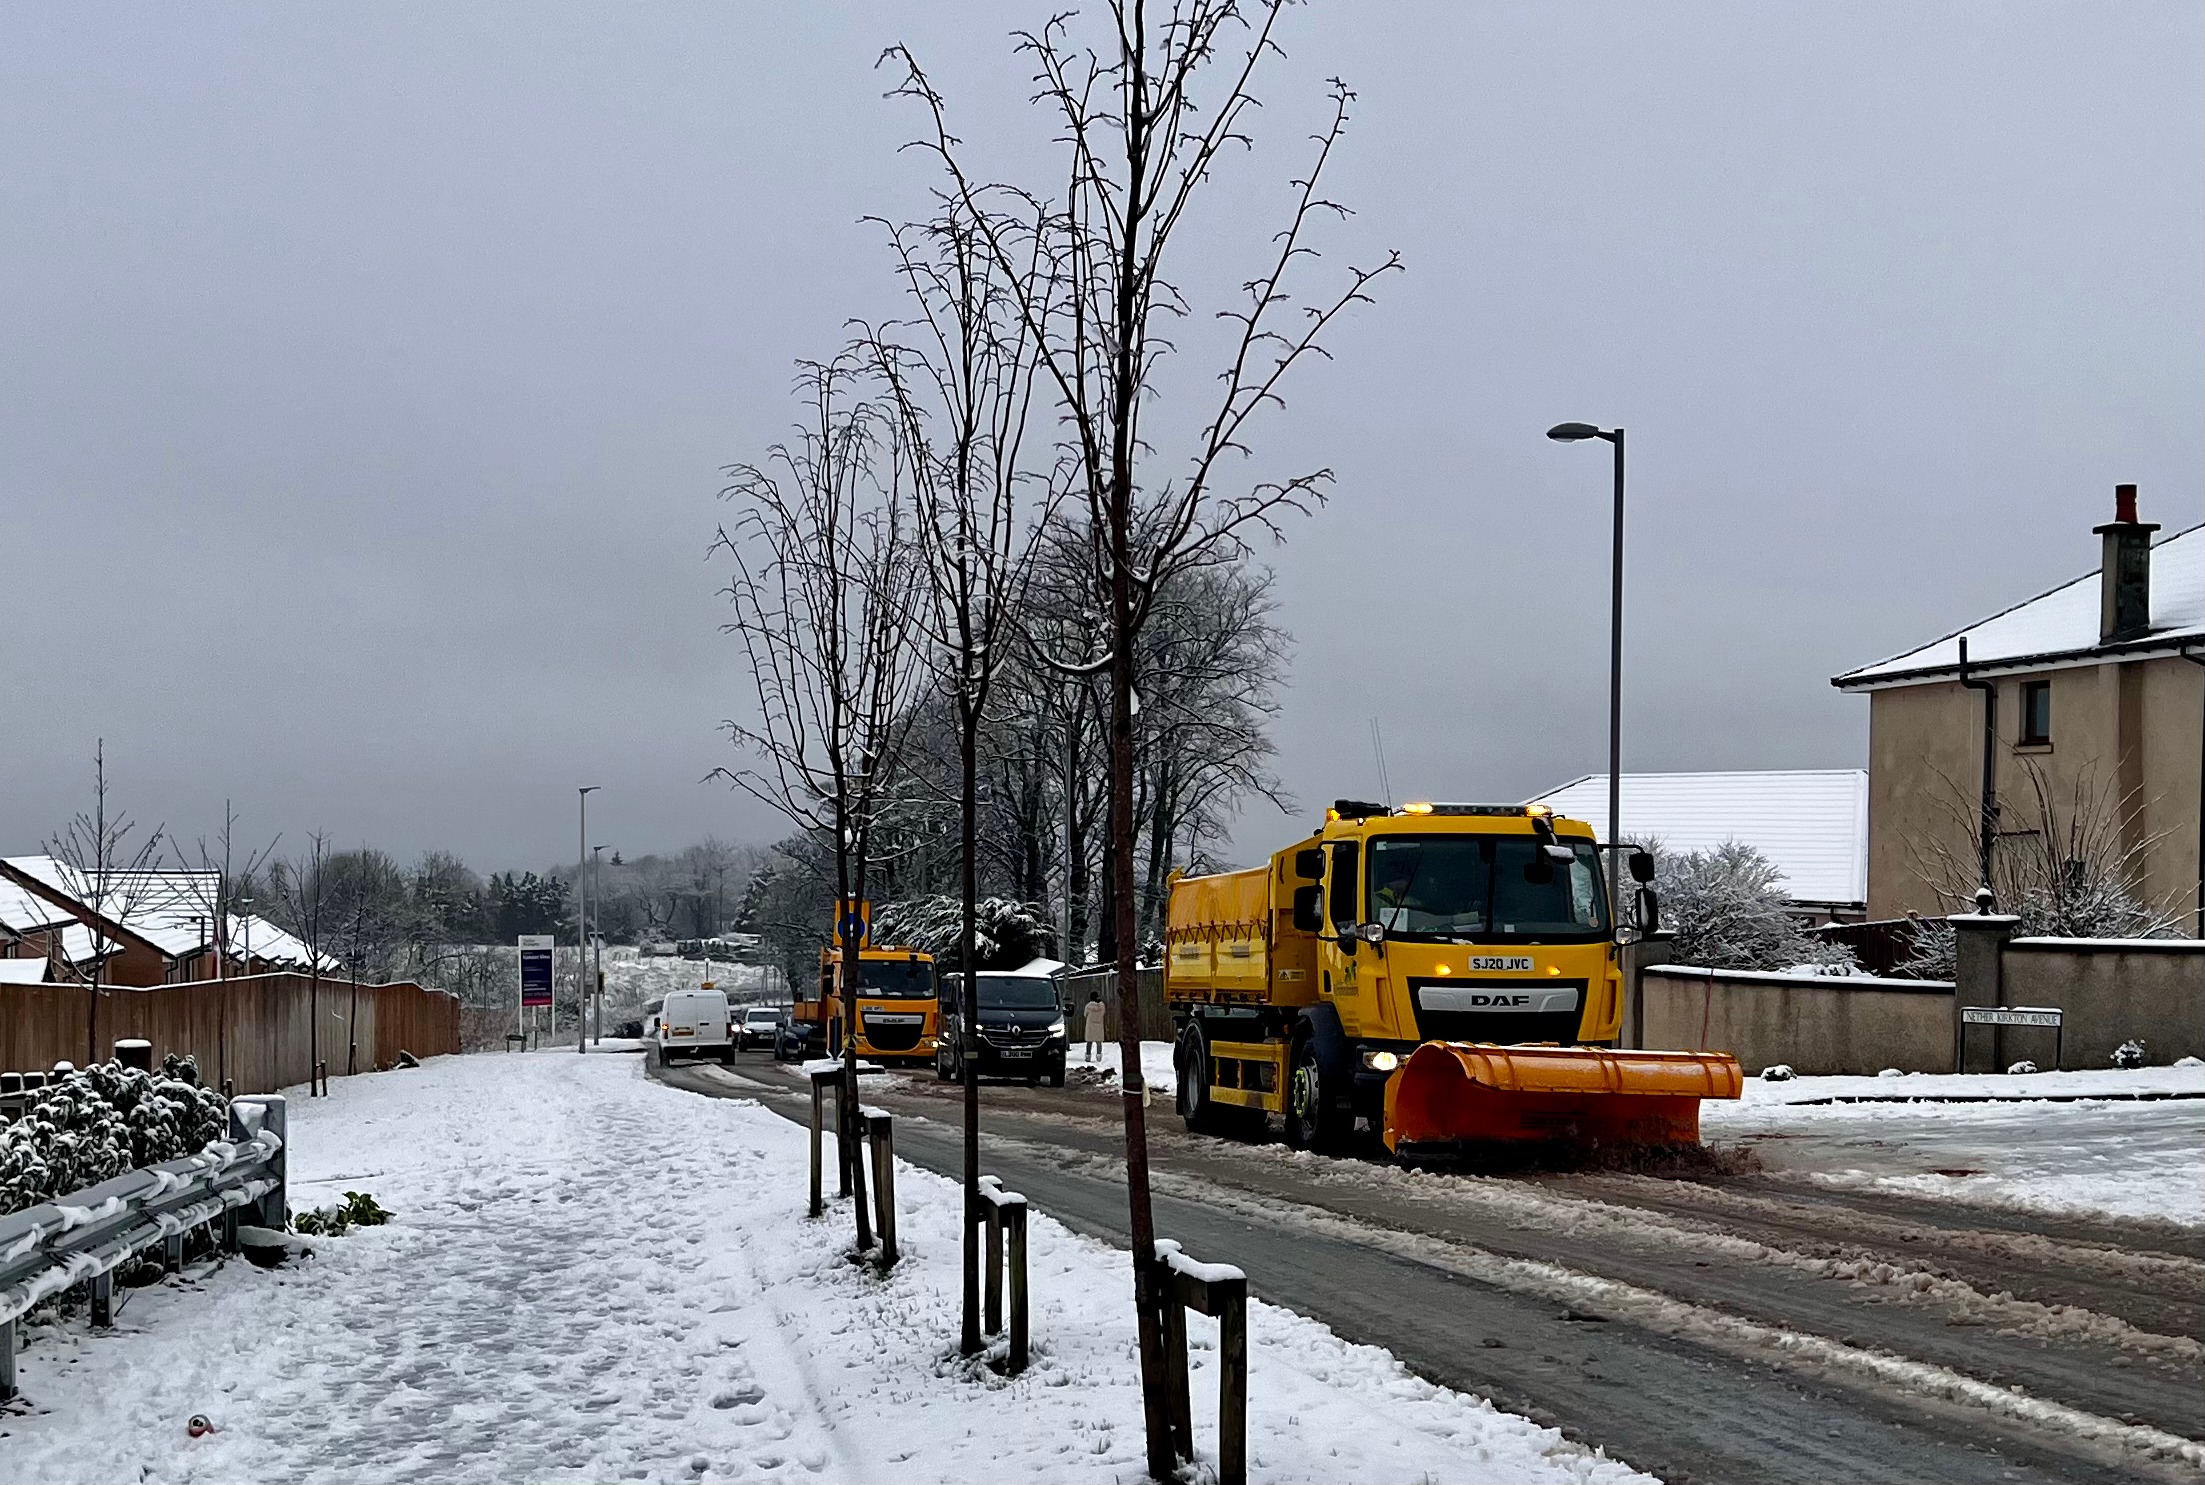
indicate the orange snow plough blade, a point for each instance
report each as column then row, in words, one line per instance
column 1469, row 1093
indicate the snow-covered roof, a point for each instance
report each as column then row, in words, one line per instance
column 1811, row 823
column 79, row 945
column 23, row 971
column 271, row 945
column 2060, row 625
column 172, row 910
column 22, row 910
column 156, row 905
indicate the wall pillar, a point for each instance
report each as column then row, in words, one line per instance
column 1979, row 976
column 1636, row 959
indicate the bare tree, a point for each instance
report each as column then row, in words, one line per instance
column 109, row 868
column 302, row 894
column 825, row 582
column 1146, row 115
column 1211, row 659
column 959, row 380
column 2064, row 860
column 219, row 885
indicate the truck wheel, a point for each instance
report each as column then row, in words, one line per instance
column 1312, row 1121
column 1201, row 1113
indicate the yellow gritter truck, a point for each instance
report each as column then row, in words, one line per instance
column 1446, row 974
column 898, row 1003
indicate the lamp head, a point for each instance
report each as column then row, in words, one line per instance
column 1573, row 432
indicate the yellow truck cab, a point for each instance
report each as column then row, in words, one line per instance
column 898, row 1005
column 1303, row 988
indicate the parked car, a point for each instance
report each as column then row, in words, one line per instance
column 760, row 1026
column 696, row 1023
column 1020, row 1028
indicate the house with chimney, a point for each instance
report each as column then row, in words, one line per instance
column 2091, row 695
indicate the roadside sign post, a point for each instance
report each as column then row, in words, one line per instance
column 535, row 977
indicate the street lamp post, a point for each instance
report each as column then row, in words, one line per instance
column 581, row 915
column 1573, row 433
column 596, row 999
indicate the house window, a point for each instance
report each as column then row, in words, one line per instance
column 2036, row 713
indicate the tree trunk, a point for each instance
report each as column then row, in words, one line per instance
column 1161, row 807
column 850, row 882
column 969, row 725
column 1106, row 916
column 1075, row 840
column 1141, row 1223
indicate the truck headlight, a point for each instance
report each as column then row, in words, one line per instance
column 1381, row 1061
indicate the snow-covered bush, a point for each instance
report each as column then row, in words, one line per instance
column 358, row 1209
column 1006, row 934
column 2020, row 1068
column 91, row 1126
column 1726, row 910
column 1778, row 1072
column 2129, row 1054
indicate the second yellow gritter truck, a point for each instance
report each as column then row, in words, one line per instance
column 1446, row 974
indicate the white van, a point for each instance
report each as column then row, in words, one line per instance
column 696, row 1023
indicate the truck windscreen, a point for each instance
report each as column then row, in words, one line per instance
column 1484, row 887
column 896, row 979
column 1017, row 993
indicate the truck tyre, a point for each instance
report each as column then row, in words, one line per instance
column 1313, row 1122
column 1201, row 1113
column 727, row 1056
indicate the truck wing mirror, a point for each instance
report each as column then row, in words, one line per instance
column 1647, row 909
column 1642, row 866
column 1309, row 863
column 1308, row 909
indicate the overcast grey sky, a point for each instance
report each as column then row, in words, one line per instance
column 367, row 372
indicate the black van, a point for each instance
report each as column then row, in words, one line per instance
column 1021, row 1028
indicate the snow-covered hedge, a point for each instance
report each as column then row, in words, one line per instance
column 92, row 1125
column 1727, row 910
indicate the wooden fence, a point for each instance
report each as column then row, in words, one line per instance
column 265, row 1032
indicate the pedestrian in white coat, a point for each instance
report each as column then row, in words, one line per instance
column 1091, row 1017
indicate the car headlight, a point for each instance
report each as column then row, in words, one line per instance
column 1056, row 1027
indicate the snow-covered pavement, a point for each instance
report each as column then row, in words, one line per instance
column 594, row 1276
column 2065, row 1143
column 1158, row 1069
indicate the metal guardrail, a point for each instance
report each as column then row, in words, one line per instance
column 1221, row 1291
column 1003, row 1213
column 82, row 1238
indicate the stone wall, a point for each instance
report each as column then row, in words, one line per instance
column 1813, row 1023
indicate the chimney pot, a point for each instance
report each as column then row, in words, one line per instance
column 2124, row 572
